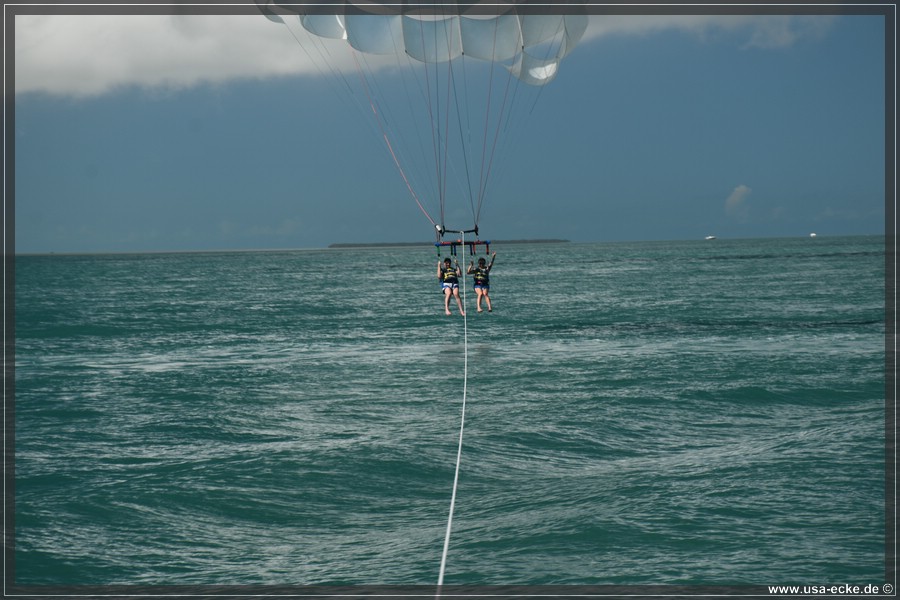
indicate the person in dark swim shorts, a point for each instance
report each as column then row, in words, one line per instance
column 482, row 276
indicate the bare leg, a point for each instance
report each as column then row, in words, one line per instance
column 487, row 299
column 447, row 292
column 458, row 303
column 480, row 293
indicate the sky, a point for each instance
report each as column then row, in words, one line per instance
column 188, row 132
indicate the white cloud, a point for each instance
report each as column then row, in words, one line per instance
column 86, row 55
column 759, row 31
column 736, row 203
column 782, row 31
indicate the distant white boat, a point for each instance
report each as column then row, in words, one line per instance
column 812, row 235
column 712, row 237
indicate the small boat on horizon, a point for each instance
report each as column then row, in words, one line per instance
column 710, row 237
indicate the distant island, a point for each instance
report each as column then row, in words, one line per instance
column 398, row 244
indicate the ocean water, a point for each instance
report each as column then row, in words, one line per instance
column 706, row 413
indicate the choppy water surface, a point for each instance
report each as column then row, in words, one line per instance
column 703, row 413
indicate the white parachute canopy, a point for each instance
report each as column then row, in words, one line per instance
column 532, row 44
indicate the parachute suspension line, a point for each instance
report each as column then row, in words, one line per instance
column 439, row 117
column 504, row 111
column 388, row 141
column 484, row 182
column 462, row 424
column 443, row 137
column 435, row 145
column 446, row 130
column 487, row 114
column 462, row 137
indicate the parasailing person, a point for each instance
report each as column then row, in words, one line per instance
column 482, row 276
column 449, row 277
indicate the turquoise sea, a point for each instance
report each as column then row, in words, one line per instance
column 691, row 413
